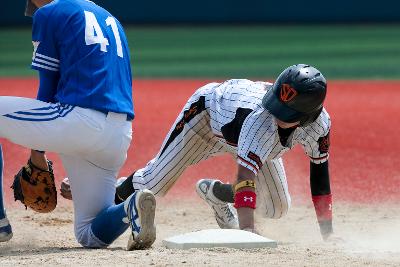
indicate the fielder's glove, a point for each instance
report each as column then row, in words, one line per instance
column 35, row 188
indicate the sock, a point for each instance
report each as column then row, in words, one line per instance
column 2, row 208
column 108, row 225
column 223, row 192
column 124, row 190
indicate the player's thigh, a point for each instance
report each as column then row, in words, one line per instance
column 162, row 172
column 188, row 140
column 50, row 127
column 93, row 189
column 20, row 119
column 273, row 197
column 11, row 104
column 111, row 152
column 190, row 146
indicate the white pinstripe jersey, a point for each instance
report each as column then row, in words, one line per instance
column 249, row 131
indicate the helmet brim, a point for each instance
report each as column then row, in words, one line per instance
column 279, row 110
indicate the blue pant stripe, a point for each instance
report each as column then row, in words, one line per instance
column 35, row 113
column 46, row 108
column 6, row 229
column 2, row 208
column 135, row 216
column 65, row 110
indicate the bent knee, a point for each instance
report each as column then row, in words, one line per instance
column 278, row 210
column 281, row 212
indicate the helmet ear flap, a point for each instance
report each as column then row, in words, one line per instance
column 309, row 118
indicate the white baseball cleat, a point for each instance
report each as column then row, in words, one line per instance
column 225, row 214
column 5, row 230
column 141, row 209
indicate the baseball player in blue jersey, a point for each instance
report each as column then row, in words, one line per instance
column 83, row 112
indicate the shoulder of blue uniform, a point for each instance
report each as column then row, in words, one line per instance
column 57, row 10
column 42, row 13
column 48, row 8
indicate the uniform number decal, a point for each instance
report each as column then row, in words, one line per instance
column 324, row 143
column 94, row 34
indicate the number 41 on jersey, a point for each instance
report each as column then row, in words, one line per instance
column 94, row 34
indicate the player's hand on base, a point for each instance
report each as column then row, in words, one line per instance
column 65, row 189
column 326, row 229
column 333, row 238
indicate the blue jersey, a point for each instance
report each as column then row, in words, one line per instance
column 87, row 47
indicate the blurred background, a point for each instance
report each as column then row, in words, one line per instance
column 179, row 45
column 235, row 38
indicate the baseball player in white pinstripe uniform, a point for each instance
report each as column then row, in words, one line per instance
column 256, row 122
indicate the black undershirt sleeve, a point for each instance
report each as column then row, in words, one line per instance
column 319, row 179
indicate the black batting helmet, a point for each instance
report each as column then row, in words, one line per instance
column 297, row 95
column 30, row 8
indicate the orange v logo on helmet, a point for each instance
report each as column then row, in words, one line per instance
column 287, row 92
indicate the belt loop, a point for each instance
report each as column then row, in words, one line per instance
column 117, row 116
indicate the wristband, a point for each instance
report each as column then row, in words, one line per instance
column 245, row 183
column 323, row 207
column 245, row 199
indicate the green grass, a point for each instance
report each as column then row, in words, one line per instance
column 340, row 51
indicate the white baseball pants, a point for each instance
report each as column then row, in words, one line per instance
column 92, row 145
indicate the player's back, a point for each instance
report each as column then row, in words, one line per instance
column 88, row 47
column 233, row 98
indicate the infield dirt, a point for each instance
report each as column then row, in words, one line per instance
column 371, row 237
column 364, row 168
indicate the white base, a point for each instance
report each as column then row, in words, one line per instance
column 228, row 238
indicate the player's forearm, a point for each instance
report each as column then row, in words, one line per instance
column 246, row 218
column 39, row 160
column 321, row 196
column 48, row 86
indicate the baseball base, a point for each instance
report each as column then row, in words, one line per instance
column 228, row 238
